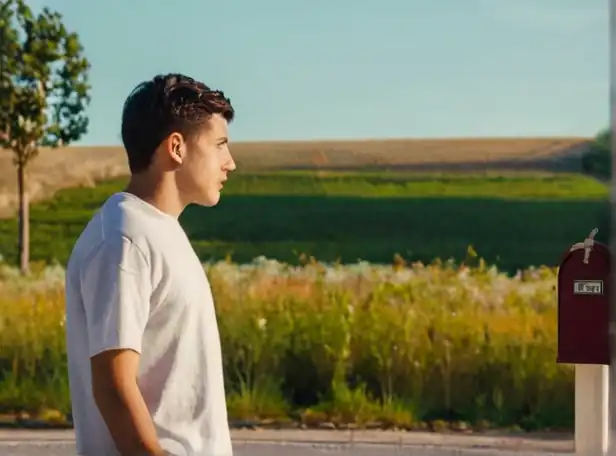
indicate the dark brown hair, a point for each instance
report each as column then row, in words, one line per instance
column 163, row 105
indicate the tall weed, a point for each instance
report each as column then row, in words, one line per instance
column 397, row 344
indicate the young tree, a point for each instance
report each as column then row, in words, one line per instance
column 44, row 91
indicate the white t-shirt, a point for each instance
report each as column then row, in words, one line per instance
column 134, row 281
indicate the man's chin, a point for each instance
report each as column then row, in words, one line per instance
column 209, row 200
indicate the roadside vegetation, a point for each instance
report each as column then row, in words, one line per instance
column 405, row 345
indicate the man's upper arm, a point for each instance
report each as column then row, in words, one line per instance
column 116, row 290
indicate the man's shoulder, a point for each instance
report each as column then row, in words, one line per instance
column 124, row 216
column 126, row 226
column 112, row 228
column 115, row 246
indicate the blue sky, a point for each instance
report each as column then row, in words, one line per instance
column 358, row 69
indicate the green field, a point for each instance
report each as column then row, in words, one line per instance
column 513, row 221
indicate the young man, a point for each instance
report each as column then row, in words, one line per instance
column 144, row 355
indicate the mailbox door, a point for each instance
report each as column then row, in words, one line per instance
column 583, row 312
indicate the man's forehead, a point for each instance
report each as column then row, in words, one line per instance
column 218, row 126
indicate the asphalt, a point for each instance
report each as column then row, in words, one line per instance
column 317, row 442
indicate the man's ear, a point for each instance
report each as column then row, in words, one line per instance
column 176, row 147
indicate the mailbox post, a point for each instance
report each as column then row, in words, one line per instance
column 584, row 339
column 612, row 60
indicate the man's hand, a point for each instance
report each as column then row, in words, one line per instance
column 119, row 400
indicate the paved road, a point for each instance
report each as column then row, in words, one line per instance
column 308, row 443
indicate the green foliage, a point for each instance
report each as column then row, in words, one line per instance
column 357, row 343
column 515, row 221
column 43, row 81
column 597, row 161
column 43, row 92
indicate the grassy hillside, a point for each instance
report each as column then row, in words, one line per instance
column 72, row 166
column 512, row 221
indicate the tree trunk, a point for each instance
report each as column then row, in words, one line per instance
column 24, row 221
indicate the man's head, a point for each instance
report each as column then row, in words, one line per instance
column 174, row 125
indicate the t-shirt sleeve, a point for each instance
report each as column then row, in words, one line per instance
column 116, row 289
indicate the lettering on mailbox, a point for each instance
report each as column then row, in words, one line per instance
column 588, row 287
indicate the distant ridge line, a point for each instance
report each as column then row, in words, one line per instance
column 85, row 165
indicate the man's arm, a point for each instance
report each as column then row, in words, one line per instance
column 119, row 400
column 116, row 289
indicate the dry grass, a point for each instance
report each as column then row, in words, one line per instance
column 356, row 343
column 74, row 166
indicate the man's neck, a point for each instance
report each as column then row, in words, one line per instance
column 162, row 195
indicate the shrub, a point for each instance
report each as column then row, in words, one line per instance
column 398, row 344
column 597, row 161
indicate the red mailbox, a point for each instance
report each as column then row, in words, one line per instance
column 583, row 304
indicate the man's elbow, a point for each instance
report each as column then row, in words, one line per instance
column 107, row 395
